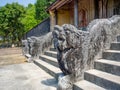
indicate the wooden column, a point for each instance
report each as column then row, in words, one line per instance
column 96, row 8
column 56, row 17
column 52, row 20
column 105, row 3
column 76, row 13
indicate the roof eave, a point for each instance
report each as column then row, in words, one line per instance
column 57, row 4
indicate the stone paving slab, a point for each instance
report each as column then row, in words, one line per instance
column 26, row 76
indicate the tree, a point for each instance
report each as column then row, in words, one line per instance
column 11, row 27
column 29, row 20
column 49, row 2
column 16, row 20
column 41, row 6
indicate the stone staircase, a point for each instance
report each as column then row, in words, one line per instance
column 48, row 62
column 105, row 75
column 106, row 72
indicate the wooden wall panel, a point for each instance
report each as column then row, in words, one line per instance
column 63, row 17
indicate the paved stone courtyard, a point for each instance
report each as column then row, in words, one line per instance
column 26, row 76
column 17, row 74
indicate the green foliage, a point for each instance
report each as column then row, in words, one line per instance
column 41, row 6
column 11, row 27
column 29, row 20
column 49, row 2
column 16, row 20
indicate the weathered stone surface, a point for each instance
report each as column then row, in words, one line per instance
column 25, row 47
column 77, row 50
column 65, row 82
column 34, row 46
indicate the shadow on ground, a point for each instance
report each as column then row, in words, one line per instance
column 50, row 82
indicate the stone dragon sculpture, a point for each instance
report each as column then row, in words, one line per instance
column 77, row 49
column 34, row 46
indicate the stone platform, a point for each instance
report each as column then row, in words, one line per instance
column 11, row 56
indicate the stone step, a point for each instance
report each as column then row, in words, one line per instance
column 50, row 69
column 86, row 85
column 109, row 66
column 111, row 55
column 103, row 79
column 50, row 60
column 118, row 38
column 52, row 49
column 51, row 53
column 115, row 46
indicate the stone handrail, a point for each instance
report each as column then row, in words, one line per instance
column 77, row 49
